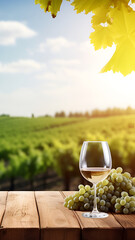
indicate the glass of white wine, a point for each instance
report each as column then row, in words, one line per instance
column 95, row 165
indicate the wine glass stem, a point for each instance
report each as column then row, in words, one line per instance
column 95, row 210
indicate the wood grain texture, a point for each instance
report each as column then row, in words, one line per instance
column 57, row 222
column 95, row 229
column 128, row 223
column 3, row 196
column 20, row 221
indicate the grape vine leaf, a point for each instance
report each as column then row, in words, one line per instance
column 123, row 32
column 89, row 5
column 52, row 6
column 101, row 37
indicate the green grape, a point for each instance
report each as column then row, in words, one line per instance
column 105, row 188
column 122, row 202
column 132, row 204
column 102, row 208
column 113, row 171
column 86, row 206
column 101, row 191
column 111, row 187
column 113, row 201
column 125, row 210
column 114, row 175
column 132, row 191
column 132, row 198
column 68, row 198
column 123, row 185
column 65, row 204
column 70, row 202
column 81, row 186
column 82, row 191
column 71, row 207
column 98, row 199
column 81, row 198
column 105, row 182
column 119, row 189
column 119, row 170
column 133, row 181
column 124, row 194
column 86, row 200
column 129, row 185
column 109, row 195
column 117, row 206
column 132, row 209
column 127, row 199
column 102, row 202
column 127, row 205
column 126, row 174
column 75, row 206
column 76, row 194
column 125, row 179
column 119, row 179
column 112, row 194
column 76, row 199
column 117, row 184
column 117, row 210
column 86, row 195
column 118, row 200
column 108, row 204
column 116, row 193
column 92, row 191
column 89, row 192
column 104, row 197
column 87, row 187
column 91, row 197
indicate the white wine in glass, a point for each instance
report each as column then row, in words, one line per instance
column 95, row 165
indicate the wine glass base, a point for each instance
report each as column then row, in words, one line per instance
column 95, row 215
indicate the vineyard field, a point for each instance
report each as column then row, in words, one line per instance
column 30, row 147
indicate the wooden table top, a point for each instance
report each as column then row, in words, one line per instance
column 41, row 215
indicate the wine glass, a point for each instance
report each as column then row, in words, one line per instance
column 95, row 164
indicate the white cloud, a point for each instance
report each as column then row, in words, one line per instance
column 21, row 66
column 55, row 44
column 10, row 31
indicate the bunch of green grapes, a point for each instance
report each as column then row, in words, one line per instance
column 114, row 194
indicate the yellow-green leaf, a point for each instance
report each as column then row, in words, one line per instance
column 52, row 6
column 123, row 32
column 123, row 59
column 101, row 37
column 89, row 5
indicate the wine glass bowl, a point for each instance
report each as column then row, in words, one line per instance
column 95, row 165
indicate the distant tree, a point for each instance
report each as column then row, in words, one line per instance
column 86, row 114
column 32, row 115
column 60, row 114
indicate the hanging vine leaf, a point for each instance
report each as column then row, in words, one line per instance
column 123, row 32
column 52, row 6
column 113, row 22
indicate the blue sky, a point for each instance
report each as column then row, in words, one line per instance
column 49, row 65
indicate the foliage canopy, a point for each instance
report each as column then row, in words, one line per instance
column 113, row 23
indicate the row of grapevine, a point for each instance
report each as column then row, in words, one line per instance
column 27, row 153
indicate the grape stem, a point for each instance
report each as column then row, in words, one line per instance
column 95, row 210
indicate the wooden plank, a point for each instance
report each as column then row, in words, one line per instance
column 95, row 229
column 128, row 223
column 57, row 223
column 3, row 196
column 20, row 221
